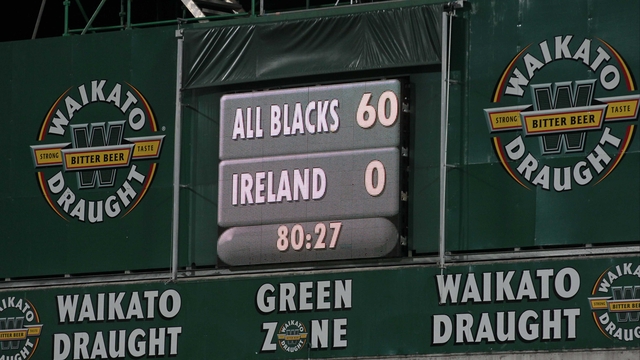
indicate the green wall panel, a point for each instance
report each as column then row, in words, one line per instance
column 486, row 208
column 493, row 205
column 43, row 239
column 540, row 306
column 424, row 185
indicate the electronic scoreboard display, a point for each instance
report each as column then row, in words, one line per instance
column 310, row 173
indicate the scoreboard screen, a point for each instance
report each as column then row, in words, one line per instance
column 310, row 173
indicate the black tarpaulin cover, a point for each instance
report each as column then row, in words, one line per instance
column 390, row 38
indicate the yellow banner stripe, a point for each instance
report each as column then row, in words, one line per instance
column 96, row 159
column 48, row 155
column 598, row 303
column 45, row 157
column 546, row 122
column 624, row 305
column 10, row 335
column 34, row 330
column 146, row 149
column 292, row 337
column 621, row 107
column 505, row 118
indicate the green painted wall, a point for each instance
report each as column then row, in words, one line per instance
column 38, row 241
column 486, row 209
column 540, row 306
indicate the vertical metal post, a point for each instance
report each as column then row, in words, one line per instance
column 35, row 29
column 444, row 124
column 66, row 17
column 253, row 8
column 176, row 161
column 122, row 13
column 129, row 14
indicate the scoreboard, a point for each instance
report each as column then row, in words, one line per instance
column 310, row 173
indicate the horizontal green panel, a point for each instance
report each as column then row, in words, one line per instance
column 557, row 305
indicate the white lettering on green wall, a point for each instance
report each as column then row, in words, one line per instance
column 121, row 307
column 504, row 288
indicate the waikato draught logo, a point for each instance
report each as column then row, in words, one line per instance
column 20, row 328
column 97, row 151
column 570, row 126
column 292, row 336
column 615, row 302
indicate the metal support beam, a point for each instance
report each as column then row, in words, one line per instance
column 35, row 29
column 84, row 13
column 193, row 8
column 204, row 8
column 447, row 20
column 128, row 14
column 122, row 13
column 93, row 17
column 444, row 124
column 66, row 17
column 176, row 162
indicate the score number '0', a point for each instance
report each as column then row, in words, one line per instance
column 366, row 118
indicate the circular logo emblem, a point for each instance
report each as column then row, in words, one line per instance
column 97, row 151
column 20, row 328
column 292, row 336
column 615, row 302
column 564, row 113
